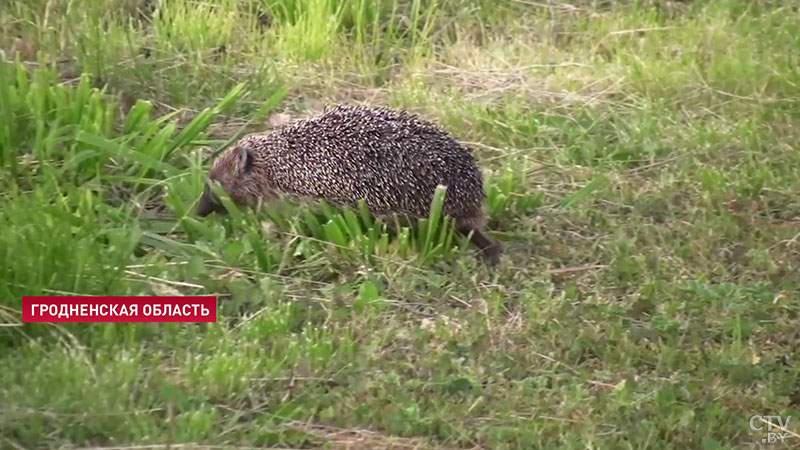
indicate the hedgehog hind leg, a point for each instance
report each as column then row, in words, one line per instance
column 395, row 222
column 489, row 248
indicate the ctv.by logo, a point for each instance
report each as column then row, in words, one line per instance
column 776, row 423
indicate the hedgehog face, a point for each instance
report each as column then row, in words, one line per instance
column 231, row 171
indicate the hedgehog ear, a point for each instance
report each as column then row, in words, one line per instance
column 243, row 159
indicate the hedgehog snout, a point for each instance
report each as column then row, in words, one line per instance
column 209, row 202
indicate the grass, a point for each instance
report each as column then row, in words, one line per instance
column 643, row 175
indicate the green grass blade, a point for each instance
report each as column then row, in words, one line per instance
column 596, row 183
column 115, row 150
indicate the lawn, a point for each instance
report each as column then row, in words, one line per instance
column 642, row 165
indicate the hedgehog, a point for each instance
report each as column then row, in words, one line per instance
column 391, row 159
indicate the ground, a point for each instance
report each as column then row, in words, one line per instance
column 643, row 175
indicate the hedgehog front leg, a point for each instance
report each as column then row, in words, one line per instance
column 489, row 248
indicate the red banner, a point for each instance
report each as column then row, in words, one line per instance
column 119, row 309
